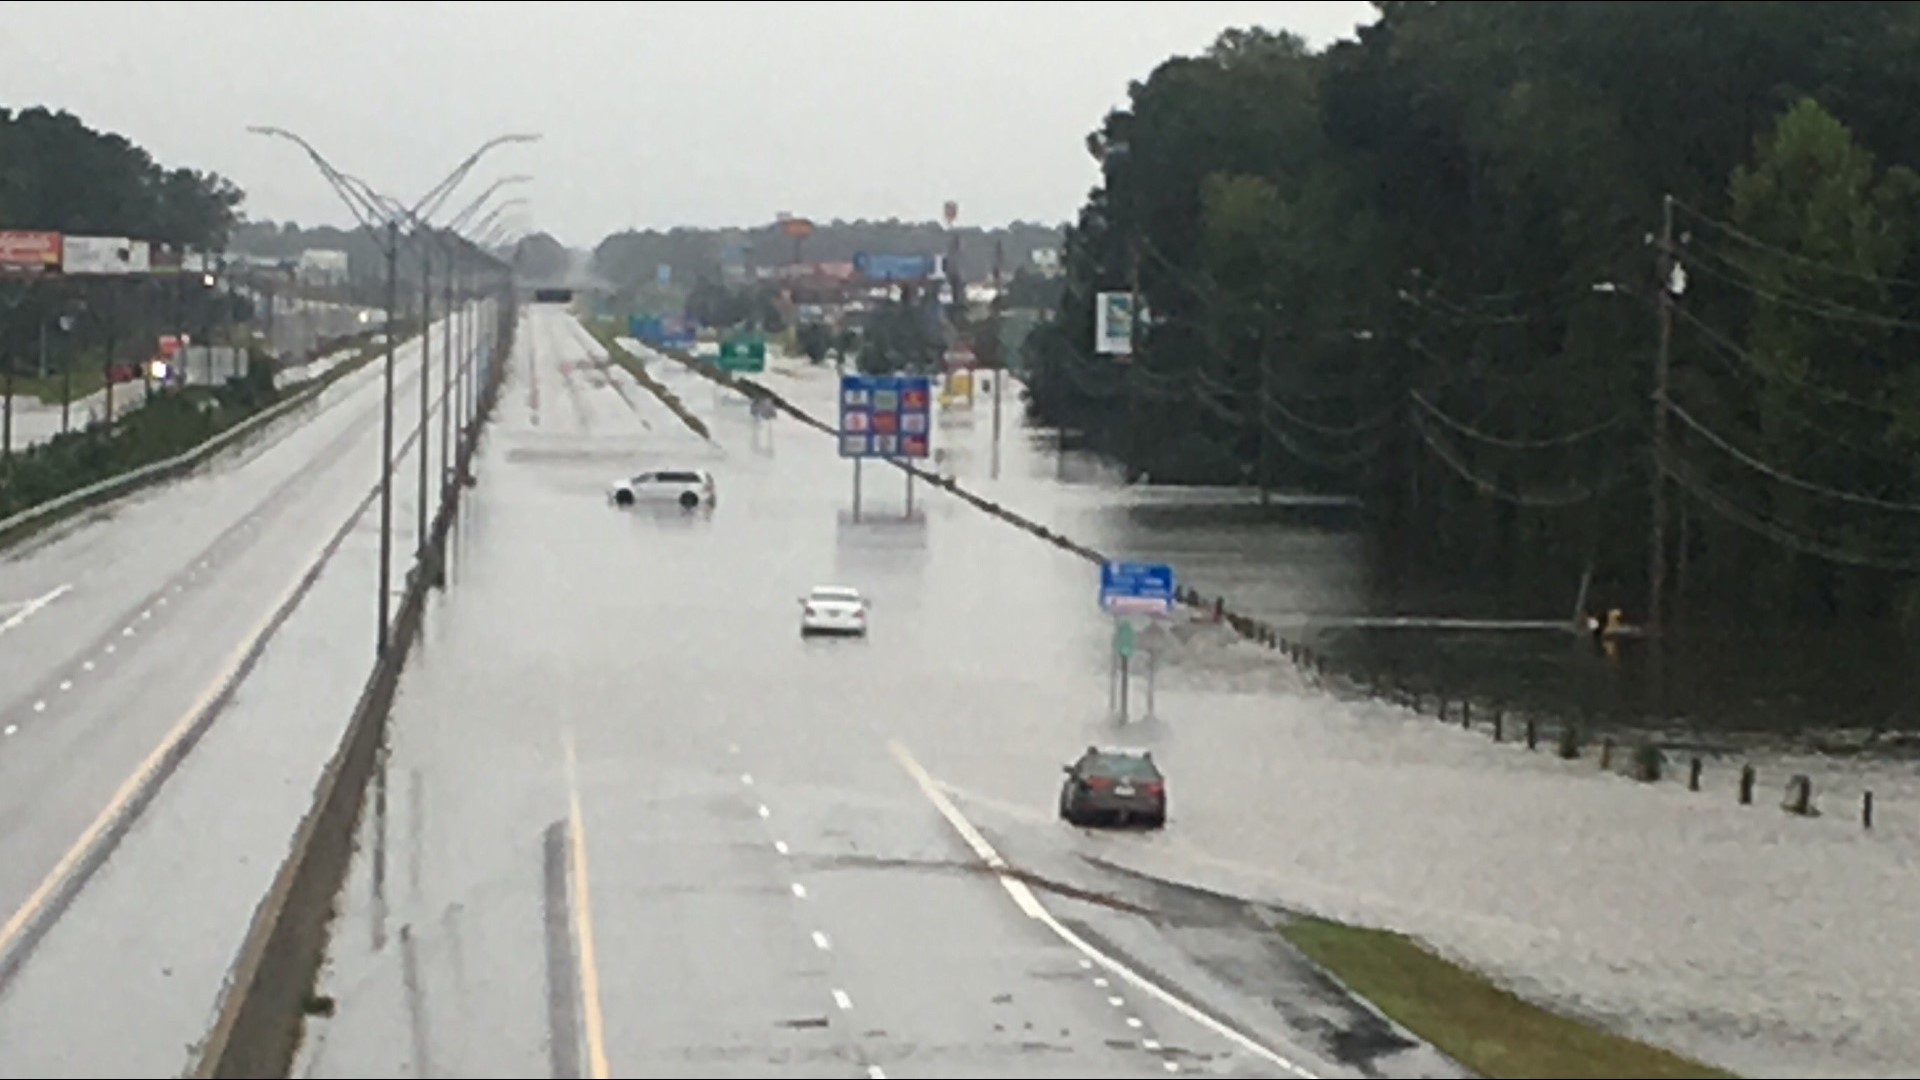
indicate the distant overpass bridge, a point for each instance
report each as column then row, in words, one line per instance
column 563, row 291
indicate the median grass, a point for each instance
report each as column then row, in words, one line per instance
column 607, row 334
column 1490, row 1031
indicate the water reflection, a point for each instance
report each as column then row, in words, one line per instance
column 1304, row 564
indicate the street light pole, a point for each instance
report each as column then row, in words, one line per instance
column 386, row 442
column 446, row 383
column 426, row 391
column 370, row 208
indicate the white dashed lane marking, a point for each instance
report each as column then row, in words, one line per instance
column 1090, row 956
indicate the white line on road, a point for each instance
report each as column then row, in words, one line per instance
column 876, row 1072
column 764, row 812
column 1024, row 898
column 66, row 684
column 841, row 999
column 820, row 941
column 799, row 890
column 780, row 846
column 39, row 706
column 747, row 779
column 31, row 607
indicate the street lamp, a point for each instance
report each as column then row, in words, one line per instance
column 376, row 214
column 448, row 238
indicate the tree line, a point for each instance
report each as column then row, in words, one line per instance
column 62, row 339
column 59, row 175
column 1438, row 266
column 631, row 259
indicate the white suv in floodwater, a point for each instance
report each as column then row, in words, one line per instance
column 691, row 488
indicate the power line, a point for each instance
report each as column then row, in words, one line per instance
column 1532, row 500
column 1510, row 443
column 1760, row 466
column 1686, row 478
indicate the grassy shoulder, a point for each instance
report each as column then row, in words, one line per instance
column 1489, row 1030
column 606, row 332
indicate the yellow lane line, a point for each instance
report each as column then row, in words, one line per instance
column 595, row 1022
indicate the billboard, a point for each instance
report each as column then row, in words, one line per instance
column 886, row 416
column 104, row 255
column 897, row 267
column 28, row 252
column 1113, row 324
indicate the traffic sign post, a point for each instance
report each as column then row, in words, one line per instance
column 888, row 417
column 1126, row 589
column 1136, row 588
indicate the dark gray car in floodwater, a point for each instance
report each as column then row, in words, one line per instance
column 1118, row 786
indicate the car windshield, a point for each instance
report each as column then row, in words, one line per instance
column 847, row 595
column 1122, row 766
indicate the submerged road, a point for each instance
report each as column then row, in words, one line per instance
column 208, row 636
column 630, row 824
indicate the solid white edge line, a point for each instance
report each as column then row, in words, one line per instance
column 31, row 607
column 1030, row 904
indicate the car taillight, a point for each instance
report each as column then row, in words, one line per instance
column 1156, row 789
column 809, row 610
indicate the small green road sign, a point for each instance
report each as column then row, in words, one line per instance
column 744, row 353
column 1123, row 639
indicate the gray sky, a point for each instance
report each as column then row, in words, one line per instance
column 652, row 114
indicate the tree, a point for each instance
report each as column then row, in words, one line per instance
column 815, row 340
column 542, row 258
column 1414, row 267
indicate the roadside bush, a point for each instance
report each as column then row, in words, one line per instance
column 172, row 423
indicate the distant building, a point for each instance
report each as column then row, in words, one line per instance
column 320, row 266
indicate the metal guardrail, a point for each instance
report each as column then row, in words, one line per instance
column 132, row 480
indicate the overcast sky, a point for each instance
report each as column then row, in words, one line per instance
column 651, row 114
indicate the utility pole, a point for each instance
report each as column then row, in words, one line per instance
column 1261, row 419
column 1657, row 542
column 386, row 440
column 1133, row 362
column 999, row 345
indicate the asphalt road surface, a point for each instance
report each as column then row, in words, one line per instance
column 631, row 824
column 119, row 632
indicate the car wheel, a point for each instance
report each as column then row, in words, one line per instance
column 1157, row 821
column 688, row 500
column 623, row 497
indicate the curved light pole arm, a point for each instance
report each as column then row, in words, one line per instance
column 429, row 203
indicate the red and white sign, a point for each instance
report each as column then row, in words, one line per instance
column 960, row 355
column 24, row 252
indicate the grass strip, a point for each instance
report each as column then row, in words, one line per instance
column 608, row 340
column 1492, row 1032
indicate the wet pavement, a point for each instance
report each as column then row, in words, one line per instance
column 138, row 615
column 1770, row 944
column 631, row 824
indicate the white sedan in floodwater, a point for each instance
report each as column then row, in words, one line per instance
column 834, row 609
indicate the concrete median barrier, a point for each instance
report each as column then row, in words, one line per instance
column 261, row 1014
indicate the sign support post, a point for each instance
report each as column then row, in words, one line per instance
column 1128, row 588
